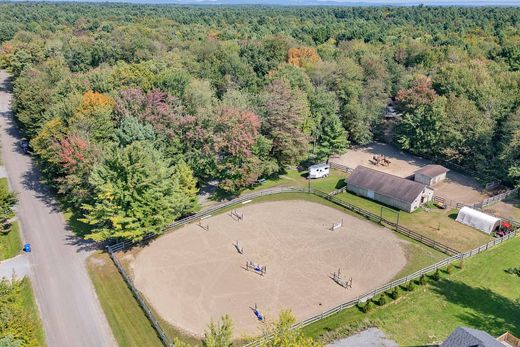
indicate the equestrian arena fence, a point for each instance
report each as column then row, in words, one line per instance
column 454, row 255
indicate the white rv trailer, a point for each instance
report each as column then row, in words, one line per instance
column 319, row 170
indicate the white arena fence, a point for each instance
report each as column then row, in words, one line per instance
column 454, row 254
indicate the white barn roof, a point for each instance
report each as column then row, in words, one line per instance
column 477, row 219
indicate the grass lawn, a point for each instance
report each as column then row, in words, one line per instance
column 29, row 305
column 481, row 295
column 293, row 178
column 437, row 224
column 10, row 242
column 126, row 318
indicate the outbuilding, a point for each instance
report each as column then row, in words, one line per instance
column 391, row 190
column 478, row 220
column 430, row 174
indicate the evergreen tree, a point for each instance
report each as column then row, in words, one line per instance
column 135, row 192
column 332, row 137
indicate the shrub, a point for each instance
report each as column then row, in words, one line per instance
column 394, row 294
column 382, row 300
column 422, row 280
column 449, row 269
column 513, row 271
column 367, row 307
column 410, row 286
column 436, row 275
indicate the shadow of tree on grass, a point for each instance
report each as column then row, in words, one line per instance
column 483, row 308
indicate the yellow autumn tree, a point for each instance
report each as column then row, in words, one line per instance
column 94, row 116
column 297, row 56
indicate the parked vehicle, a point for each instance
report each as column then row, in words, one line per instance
column 319, row 170
column 24, row 144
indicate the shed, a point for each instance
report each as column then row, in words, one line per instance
column 391, row 190
column 430, row 174
column 478, row 220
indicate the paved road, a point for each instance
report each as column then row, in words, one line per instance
column 70, row 310
column 17, row 266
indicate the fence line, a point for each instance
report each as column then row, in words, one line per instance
column 340, row 167
column 454, row 254
column 155, row 323
column 391, row 285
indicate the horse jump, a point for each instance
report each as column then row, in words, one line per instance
column 205, row 227
column 239, row 248
column 259, row 269
column 237, row 216
column 345, row 283
column 336, row 225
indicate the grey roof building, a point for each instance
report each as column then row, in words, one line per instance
column 391, row 190
column 430, row 174
column 468, row 337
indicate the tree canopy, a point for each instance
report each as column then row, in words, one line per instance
column 117, row 98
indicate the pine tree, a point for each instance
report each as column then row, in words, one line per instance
column 136, row 192
column 332, row 137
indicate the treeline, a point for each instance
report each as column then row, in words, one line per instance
column 132, row 108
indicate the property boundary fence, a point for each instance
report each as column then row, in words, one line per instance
column 391, row 285
column 454, row 254
column 340, row 167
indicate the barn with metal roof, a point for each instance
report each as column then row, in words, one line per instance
column 391, row 190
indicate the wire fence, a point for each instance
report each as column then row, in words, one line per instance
column 454, row 254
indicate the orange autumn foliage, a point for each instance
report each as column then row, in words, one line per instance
column 295, row 56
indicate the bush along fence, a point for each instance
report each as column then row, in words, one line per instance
column 454, row 254
column 391, row 285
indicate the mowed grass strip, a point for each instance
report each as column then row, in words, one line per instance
column 436, row 224
column 10, row 242
column 29, row 305
column 126, row 318
column 480, row 295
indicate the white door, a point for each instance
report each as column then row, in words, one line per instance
column 370, row 194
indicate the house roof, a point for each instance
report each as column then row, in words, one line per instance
column 432, row 170
column 391, row 186
column 466, row 337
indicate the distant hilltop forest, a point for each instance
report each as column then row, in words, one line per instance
column 131, row 108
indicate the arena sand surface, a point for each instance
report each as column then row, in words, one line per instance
column 191, row 276
column 457, row 187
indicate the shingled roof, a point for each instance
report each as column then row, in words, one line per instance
column 467, row 337
column 432, row 170
column 382, row 183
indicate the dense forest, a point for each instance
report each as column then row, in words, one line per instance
column 131, row 108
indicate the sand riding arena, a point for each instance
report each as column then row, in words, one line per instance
column 198, row 273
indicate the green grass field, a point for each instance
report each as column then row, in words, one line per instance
column 437, row 224
column 293, row 178
column 126, row 318
column 10, row 242
column 480, row 295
